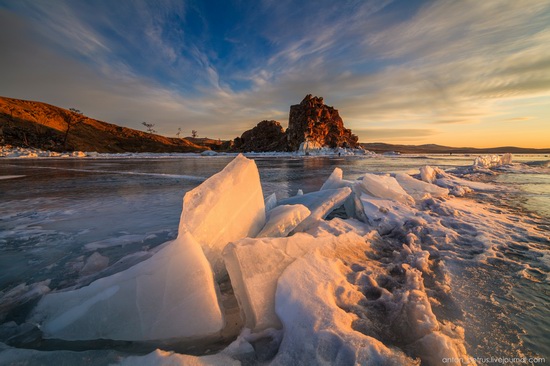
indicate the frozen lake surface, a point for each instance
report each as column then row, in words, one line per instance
column 55, row 214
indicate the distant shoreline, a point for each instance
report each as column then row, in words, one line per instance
column 13, row 152
column 379, row 147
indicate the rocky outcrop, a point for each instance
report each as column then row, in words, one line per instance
column 312, row 126
column 314, row 123
column 266, row 136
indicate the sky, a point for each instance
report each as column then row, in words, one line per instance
column 458, row 73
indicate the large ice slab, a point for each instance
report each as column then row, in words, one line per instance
column 418, row 189
column 320, row 203
column 226, row 207
column 386, row 187
column 170, row 295
column 254, row 265
column 283, row 219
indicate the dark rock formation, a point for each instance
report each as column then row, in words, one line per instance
column 311, row 122
column 317, row 123
column 266, row 136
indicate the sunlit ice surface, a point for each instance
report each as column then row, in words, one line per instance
column 66, row 223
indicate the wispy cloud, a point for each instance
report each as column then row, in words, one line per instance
column 518, row 119
column 444, row 64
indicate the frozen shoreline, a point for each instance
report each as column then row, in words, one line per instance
column 9, row 152
column 398, row 224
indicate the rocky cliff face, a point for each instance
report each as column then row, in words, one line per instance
column 311, row 124
column 315, row 123
column 266, row 136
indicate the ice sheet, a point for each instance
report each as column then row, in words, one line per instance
column 170, row 295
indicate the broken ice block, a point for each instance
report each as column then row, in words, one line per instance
column 419, row 189
column 254, row 265
column 384, row 186
column 283, row 219
column 335, row 180
column 320, row 204
column 226, row 207
column 170, row 295
column 352, row 204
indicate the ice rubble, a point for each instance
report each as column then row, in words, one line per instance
column 385, row 213
column 310, row 294
column 7, row 151
column 491, row 161
column 456, row 186
column 320, row 204
column 314, row 148
column 227, row 206
column 11, row 152
column 324, row 285
column 352, row 204
column 170, row 295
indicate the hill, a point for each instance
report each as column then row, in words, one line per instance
column 44, row 126
column 380, row 147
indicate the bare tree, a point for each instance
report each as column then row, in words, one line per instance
column 178, row 133
column 71, row 118
column 194, row 134
column 149, row 127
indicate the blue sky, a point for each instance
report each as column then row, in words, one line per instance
column 461, row 73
